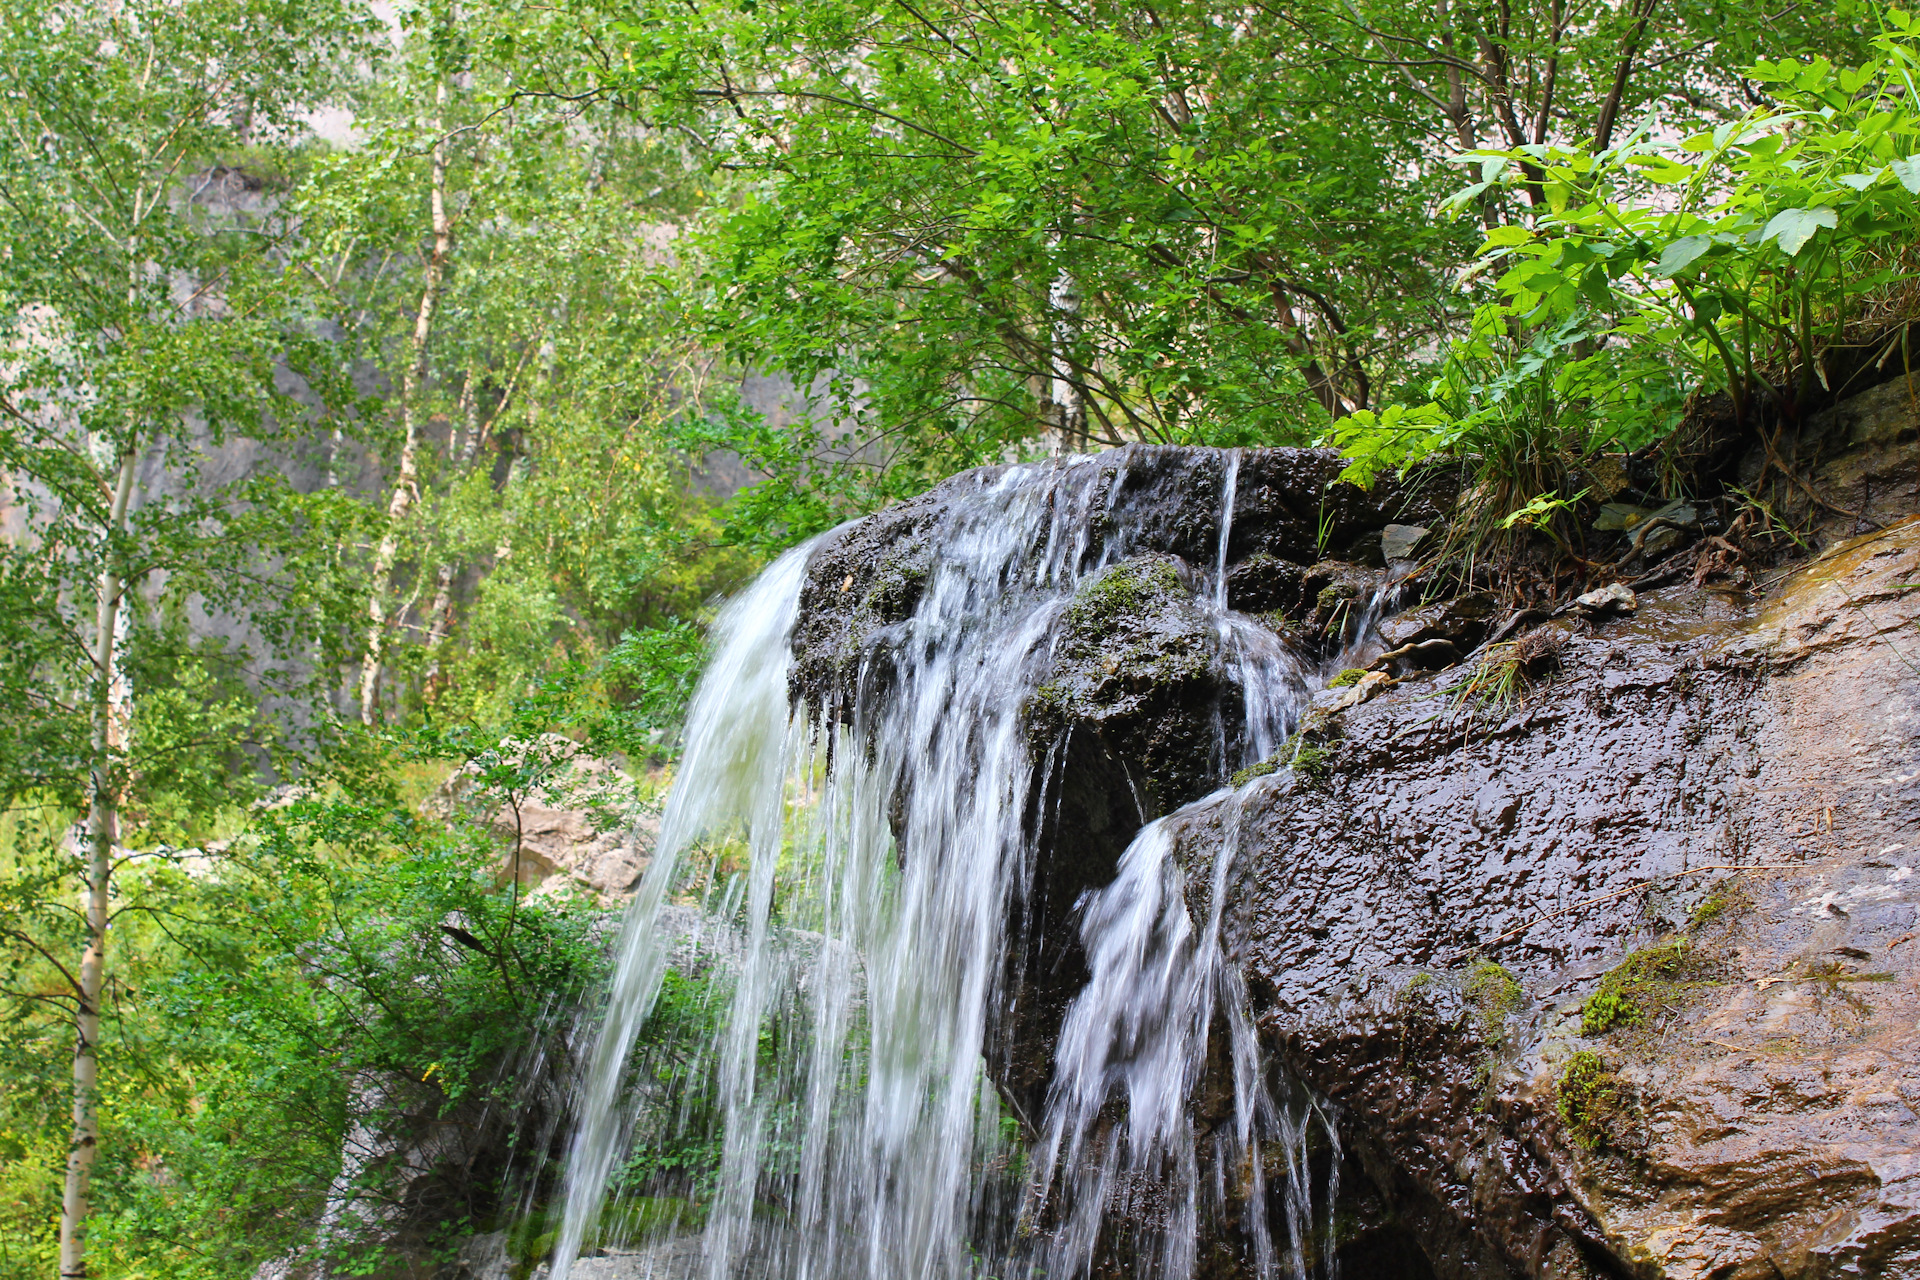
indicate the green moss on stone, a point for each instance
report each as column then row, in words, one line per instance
column 1597, row 1105
column 1311, row 764
column 1727, row 898
column 1332, row 595
column 1351, row 676
column 896, row 590
column 1649, row 979
column 1270, row 765
column 1495, row 995
column 1121, row 592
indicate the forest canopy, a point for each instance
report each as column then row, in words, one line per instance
column 391, row 393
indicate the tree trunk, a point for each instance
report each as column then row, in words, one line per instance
column 103, row 820
column 1066, row 391
column 406, row 481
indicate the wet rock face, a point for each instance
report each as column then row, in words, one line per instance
column 1286, row 519
column 1695, row 852
column 1136, row 667
column 1615, row 979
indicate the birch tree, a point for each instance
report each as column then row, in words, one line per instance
column 145, row 336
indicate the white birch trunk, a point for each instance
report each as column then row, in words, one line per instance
column 1066, row 392
column 406, row 481
column 105, row 742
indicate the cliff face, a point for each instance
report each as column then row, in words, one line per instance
column 1621, row 979
column 1609, row 973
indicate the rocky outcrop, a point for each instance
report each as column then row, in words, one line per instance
column 1607, row 964
column 1690, row 866
column 1287, row 517
column 562, row 817
column 1136, row 714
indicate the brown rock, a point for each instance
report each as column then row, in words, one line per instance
column 1772, row 1128
column 577, row 819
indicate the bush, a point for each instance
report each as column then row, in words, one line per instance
column 1654, row 270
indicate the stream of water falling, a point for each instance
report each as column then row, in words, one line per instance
column 891, row 841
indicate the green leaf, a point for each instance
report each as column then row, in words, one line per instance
column 1506, row 237
column 1677, row 256
column 1908, row 171
column 1662, row 169
column 1794, row 227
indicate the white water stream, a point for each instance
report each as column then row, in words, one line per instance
column 894, row 840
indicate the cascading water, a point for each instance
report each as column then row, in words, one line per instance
column 891, row 833
column 1161, row 993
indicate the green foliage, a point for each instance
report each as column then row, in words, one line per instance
column 654, row 672
column 1735, row 256
column 340, row 963
column 1347, row 678
column 952, row 223
column 1650, row 270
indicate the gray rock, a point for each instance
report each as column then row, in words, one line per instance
column 483, row 1257
column 1621, row 517
column 1615, row 597
column 582, row 825
column 1397, row 541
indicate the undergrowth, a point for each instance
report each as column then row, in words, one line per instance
column 1507, row 671
column 1656, row 278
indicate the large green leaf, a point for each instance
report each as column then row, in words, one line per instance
column 1794, row 227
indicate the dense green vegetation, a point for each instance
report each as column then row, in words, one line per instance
column 376, row 394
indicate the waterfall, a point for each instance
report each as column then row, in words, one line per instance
column 1143, row 1030
column 884, row 839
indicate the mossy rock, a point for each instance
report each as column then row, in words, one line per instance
column 1136, row 665
column 1121, row 594
column 1494, row 995
column 1266, row 585
column 1268, row 766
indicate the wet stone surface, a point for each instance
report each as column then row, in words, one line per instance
column 1730, row 774
column 1766, row 1122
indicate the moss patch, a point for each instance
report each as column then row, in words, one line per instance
column 1351, row 676
column 1725, row 900
column 1598, row 1107
column 1270, row 765
column 1649, row 981
column 1494, row 995
column 1135, row 663
column 1331, row 597
column 1312, row 764
column 1121, row 593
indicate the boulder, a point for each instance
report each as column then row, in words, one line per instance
column 563, row 817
